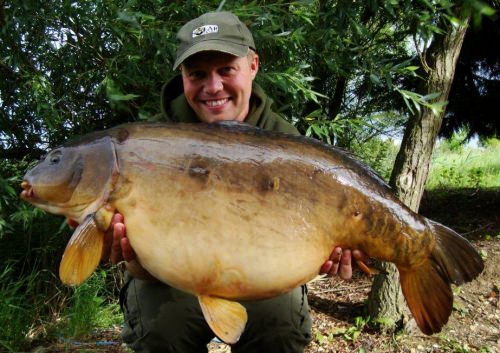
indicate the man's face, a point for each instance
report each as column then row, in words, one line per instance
column 218, row 85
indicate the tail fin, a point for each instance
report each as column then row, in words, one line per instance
column 427, row 288
column 457, row 258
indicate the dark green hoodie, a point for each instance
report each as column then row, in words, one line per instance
column 175, row 108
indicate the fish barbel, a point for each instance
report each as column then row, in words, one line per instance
column 219, row 210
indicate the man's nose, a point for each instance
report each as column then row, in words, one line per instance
column 213, row 84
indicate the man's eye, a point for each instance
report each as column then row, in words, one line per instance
column 226, row 70
column 196, row 75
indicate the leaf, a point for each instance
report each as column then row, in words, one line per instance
column 122, row 97
column 355, row 335
column 375, row 79
column 431, row 96
column 128, row 18
column 283, row 34
column 319, row 337
column 114, row 93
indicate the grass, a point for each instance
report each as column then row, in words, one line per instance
column 23, row 310
column 454, row 166
column 16, row 313
column 91, row 306
column 465, row 167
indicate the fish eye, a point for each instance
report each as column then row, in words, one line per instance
column 55, row 157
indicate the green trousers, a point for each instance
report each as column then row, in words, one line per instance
column 159, row 318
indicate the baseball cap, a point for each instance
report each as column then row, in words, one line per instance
column 213, row 31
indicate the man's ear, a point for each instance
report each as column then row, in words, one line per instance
column 254, row 65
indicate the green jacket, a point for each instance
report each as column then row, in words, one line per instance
column 175, row 108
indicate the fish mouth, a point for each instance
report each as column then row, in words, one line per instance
column 28, row 193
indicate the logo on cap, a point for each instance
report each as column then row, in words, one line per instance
column 207, row 29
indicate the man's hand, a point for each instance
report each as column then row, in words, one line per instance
column 340, row 262
column 116, row 245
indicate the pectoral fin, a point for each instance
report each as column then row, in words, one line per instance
column 104, row 216
column 226, row 318
column 82, row 254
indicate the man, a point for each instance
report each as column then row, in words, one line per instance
column 218, row 64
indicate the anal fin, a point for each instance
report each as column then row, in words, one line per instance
column 83, row 253
column 226, row 318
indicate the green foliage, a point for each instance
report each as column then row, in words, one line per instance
column 90, row 306
column 70, row 68
column 490, row 142
column 453, row 345
column 491, row 237
column 351, row 333
column 457, row 141
column 464, row 166
column 331, row 131
column 416, row 101
column 386, row 324
column 16, row 312
column 356, row 56
column 460, row 308
column 378, row 154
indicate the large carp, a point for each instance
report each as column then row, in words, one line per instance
column 220, row 210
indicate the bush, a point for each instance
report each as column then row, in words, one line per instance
column 378, row 154
column 490, row 142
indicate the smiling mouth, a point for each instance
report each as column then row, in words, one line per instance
column 214, row 103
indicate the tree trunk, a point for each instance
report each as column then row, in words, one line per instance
column 412, row 163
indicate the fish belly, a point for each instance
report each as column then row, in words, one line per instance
column 232, row 247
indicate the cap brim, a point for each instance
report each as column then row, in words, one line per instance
column 212, row 45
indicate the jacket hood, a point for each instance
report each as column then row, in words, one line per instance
column 173, row 104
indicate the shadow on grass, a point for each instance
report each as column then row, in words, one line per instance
column 470, row 211
column 339, row 310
